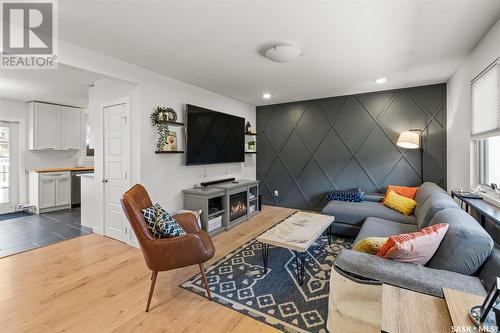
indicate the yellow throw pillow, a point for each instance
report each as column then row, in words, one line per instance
column 370, row 245
column 399, row 203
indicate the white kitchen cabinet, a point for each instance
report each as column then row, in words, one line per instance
column 50, row 191
column 63, row 191
column 71, row 128
column 54, row 127
column 47, row 193
column 45, row 128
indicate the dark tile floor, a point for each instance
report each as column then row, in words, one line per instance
column 29, row 232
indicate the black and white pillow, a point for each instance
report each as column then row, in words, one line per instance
column 160, row 223
column 151, row 221
column 167, row 225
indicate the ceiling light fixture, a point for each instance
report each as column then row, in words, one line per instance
column 381, row 80
column 266, row 95
column 283, row 53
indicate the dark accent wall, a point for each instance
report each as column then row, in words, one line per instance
column 308, row 148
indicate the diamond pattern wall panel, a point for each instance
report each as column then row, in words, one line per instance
column 312, row 126
column 353, row 122
column 310, row 147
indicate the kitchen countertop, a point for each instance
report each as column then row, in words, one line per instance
column 64, row 169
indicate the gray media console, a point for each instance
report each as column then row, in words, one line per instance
column 224, row 205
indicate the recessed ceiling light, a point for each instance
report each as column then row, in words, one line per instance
column 381, row 80
column 266, row 95
column 283, row 53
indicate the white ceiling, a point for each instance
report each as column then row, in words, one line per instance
column 65, row 85
column 346, row 44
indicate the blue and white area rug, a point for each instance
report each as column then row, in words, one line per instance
column 276, row 298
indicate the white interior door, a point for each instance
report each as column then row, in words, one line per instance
column 116, row 164
column 9, row 166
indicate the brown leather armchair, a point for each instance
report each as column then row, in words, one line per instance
column 165, row 254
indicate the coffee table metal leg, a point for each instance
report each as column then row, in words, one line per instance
column 265, row 255
column 330, row 227
column 300, row 263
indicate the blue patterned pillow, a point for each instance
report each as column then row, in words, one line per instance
column 166, row 224
column 160, row 223
column 150, row 218
column 352, row 194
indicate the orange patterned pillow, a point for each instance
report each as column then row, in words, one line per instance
column 415, row 247
column 405, row 191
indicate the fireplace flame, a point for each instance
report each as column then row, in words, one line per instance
column 238, row 207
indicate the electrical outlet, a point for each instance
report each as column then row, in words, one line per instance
column 276, row 193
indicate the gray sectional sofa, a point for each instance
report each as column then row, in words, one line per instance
column 466, row 260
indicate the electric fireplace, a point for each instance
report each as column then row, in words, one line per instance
column 237, row 205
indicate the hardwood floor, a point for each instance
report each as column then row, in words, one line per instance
column 96, row 284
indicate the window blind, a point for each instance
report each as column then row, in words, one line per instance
column 486, row 103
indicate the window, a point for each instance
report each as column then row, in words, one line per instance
column 486, row 103
column 88, row 150
column 489, row 160
column 486, row 123
column 4, row 164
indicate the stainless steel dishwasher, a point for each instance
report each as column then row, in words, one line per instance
column 76, row 187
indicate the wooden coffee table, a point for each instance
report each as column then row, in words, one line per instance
column 297, row 232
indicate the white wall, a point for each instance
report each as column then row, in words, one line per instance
column 165, row 176
column 459, row 162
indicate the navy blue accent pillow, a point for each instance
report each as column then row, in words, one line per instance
column 160, row 223
column 166, row 224
column 352, row 195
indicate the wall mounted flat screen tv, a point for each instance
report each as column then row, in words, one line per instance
column 214, row 137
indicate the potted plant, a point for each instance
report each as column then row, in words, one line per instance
column 251, row 145
column 160, row 119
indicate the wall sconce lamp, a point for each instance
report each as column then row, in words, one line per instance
column 412, row 139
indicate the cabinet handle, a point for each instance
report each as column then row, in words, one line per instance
column 104, row 180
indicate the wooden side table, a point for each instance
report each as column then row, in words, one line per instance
column 459, row 304
column 408, row 311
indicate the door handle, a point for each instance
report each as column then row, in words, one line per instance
column 104, row 180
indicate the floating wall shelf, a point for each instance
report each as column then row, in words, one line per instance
column 170, row 152
column 173, row 123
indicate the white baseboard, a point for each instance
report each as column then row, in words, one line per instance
column 97, row 230
column 134, row 243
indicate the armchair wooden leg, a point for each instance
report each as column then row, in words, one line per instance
column 151, row 290
column 202, row 270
